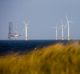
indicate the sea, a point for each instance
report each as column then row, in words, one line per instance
column 7, row 46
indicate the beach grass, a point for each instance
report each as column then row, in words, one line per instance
column 54, row 59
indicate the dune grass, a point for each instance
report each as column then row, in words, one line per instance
column 54, row 59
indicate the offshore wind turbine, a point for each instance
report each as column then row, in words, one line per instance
column 26, row 31
column 68, row 24
column 62, row 28
column 56, row 32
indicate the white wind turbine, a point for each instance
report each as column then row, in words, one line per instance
column 68, row 24
column 26, row 31
column 56, row 32
column 62, row 28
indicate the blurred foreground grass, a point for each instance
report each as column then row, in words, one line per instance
column 54, row 59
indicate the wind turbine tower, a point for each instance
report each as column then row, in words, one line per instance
column 68, row 23
column 62, row 30
column 26, row 31
column 56, row 33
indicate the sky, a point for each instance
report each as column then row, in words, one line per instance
column 42, row 17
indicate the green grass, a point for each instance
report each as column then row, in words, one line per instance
column 54, row 59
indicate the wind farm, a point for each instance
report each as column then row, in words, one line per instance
column 15, row 35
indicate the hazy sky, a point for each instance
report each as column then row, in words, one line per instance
column 42, row 15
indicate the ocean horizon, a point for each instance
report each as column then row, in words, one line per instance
column 7, row 46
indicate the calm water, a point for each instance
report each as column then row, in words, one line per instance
column 25, row 45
